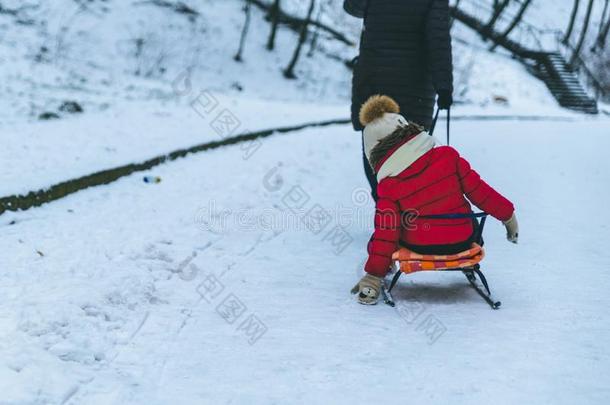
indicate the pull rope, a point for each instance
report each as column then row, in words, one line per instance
column 438, row 110
column 433, row 126
column 448, row 121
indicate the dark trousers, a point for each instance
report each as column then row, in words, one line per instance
column 370, row 175
column 449, row 249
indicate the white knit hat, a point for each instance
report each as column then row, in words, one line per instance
column 380, row 117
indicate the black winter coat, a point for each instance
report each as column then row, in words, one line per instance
column 405, row 53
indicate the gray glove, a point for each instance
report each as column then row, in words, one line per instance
column 512, row 229
column 368, row 289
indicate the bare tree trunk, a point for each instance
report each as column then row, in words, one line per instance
column 601, row 39
column 295, row 23
column 583, row 34
column 289, row 71
column 498, row 10
column 316, row 33
column 568, row 34
column 514, row 22
column 457, row 5
column 274, row 12
column 604, row 25
column 244, row 32
column 601, row 23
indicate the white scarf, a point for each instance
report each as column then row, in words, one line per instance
column 404, row 156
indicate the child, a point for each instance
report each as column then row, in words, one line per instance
column 418, row 179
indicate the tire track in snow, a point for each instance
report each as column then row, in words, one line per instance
column 22, row 202
column 57, row 191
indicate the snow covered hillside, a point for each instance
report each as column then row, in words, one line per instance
column 103, row 52
column 140, row 48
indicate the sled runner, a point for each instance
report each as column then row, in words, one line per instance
column 468, row 261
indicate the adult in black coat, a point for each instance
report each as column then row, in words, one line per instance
column 405, row 53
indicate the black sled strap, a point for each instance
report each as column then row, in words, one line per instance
column 394, row 280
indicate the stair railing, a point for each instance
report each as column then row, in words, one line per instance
column 529, row 36
column 586, row 76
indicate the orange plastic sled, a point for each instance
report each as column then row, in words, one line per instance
column 411, row 262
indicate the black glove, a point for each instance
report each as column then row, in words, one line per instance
column 355, row 8
column 445, row 99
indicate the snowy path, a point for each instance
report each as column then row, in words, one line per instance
column 99, row 307
column 56, row 151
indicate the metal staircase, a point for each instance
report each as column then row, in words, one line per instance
column 549, row 66
column 563, row 83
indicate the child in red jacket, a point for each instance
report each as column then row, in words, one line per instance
column 418, row 179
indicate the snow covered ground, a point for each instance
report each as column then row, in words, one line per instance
column 216, row 285
column 54, row 151
column 59, row 150
column 210, row 288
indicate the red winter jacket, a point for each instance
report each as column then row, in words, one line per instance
column 437, row 183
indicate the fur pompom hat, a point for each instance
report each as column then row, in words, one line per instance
column 380, row 117
column 391, row 143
